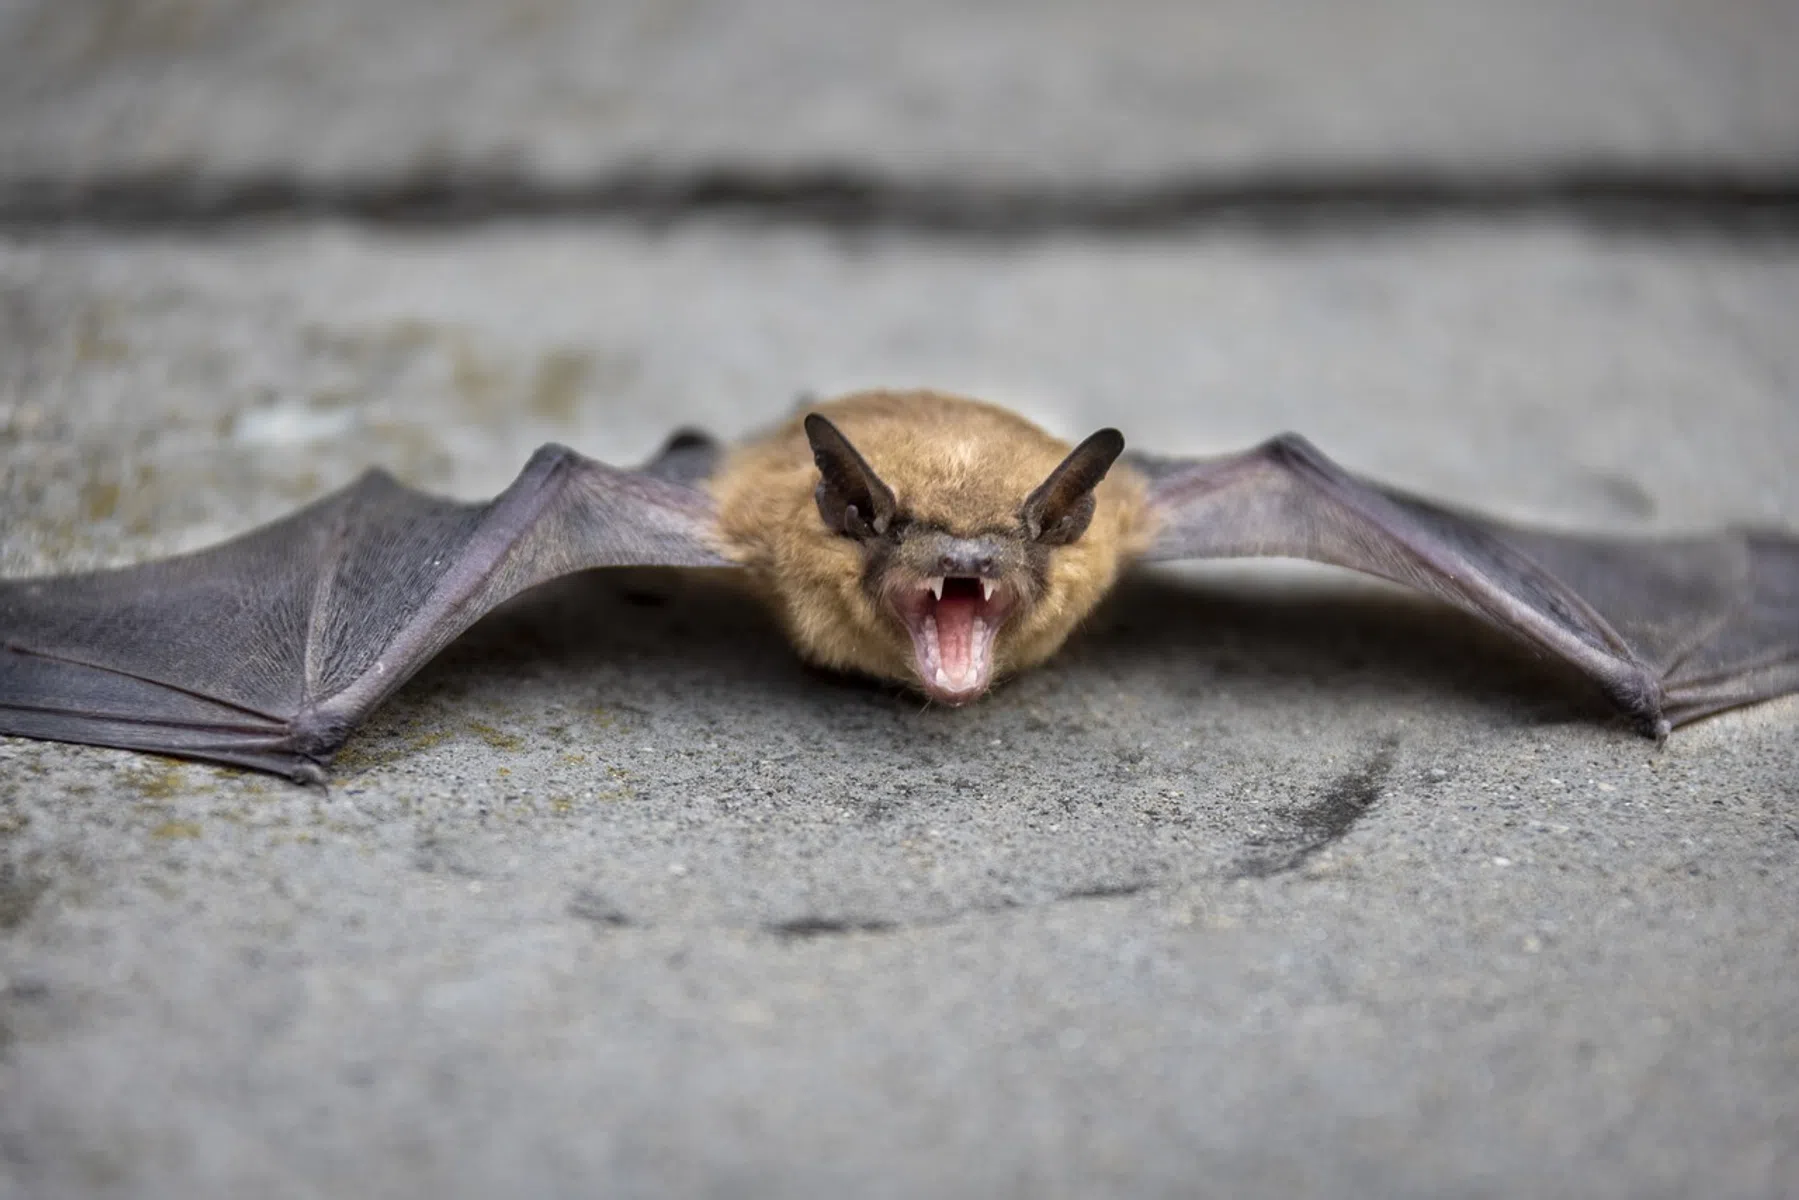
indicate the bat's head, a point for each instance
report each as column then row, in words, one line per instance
column 973, row 551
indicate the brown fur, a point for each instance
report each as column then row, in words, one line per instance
column 950, row 461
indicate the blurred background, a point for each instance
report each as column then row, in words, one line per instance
column 1424, row 232
column 1306, row 896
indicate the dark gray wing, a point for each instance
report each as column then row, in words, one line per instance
column 1672, row 630
column 267, row 651
column 689, row 457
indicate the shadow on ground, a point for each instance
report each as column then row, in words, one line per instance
column 1158, row 750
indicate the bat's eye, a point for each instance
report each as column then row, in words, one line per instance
column 1059, row 511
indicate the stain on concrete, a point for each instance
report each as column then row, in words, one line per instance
column 596, row 909
column 158, row 780
column 176, row 830
column 1317, row 825
column 499, row 739
column 557, row 385
column 1107, row 891
column 816, row 927
column 801, row 928
column 20, row 890
column 1623, row 495
column 434, row 855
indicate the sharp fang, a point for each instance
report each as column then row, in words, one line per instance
column 986, row 589
column 935, row 583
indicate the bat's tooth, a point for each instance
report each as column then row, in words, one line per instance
column 935, row 583
column 986, row 589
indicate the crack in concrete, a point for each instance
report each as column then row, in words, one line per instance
column 1658, row 200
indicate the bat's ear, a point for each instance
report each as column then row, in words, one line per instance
column 851, row 497
column 1058, row 511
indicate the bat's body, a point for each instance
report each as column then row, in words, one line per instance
column 912, row 536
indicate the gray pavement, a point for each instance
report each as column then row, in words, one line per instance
column 1049, row 92
column 1276, row 883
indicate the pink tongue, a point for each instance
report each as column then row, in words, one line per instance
column 955, row 634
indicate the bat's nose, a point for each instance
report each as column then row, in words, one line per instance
column 968, row 556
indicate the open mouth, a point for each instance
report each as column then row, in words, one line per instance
column 953, row 621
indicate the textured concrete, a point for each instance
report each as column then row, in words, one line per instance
column 1275, row 884
column 558, row 90
column 173, row 389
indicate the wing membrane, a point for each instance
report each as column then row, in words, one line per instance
column 268, row 650
column 1671, row 629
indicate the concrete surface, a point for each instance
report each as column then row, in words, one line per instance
column 1276, row 883
column 1016, row 90
column 173, row 389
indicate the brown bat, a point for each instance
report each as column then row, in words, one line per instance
column 912, row 536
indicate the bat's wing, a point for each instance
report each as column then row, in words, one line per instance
column 1672, row 630
column 267, row 651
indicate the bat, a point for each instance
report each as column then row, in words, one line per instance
column 918, row 537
